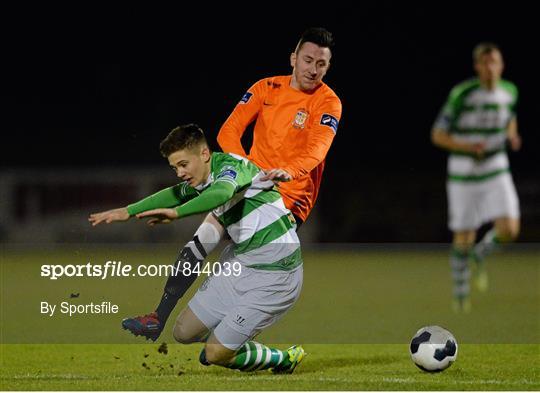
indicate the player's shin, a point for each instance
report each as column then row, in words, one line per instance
column 254, row 356
column 489, row 243
column 486, row 246
column 459, row 263
column 205, row 240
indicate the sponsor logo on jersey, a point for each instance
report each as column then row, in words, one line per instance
column 228, row 173
column 329, row 121
column 300, row 118
column 245, row 98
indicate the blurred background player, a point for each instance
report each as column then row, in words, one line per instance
column 229, row 309
column 474, row 126
column 296, row 118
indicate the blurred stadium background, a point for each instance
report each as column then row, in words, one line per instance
column 48, row 205
column 87, row 99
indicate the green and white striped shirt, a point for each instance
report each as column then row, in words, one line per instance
column 473, row 114
column 261, row 227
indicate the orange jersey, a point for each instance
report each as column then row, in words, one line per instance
column 293, row 131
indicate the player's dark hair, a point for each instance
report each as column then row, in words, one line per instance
column 482, row 49
column 317, row 35
column 182, row 137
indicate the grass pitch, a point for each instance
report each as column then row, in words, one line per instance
column 327, row 367
column 358, row 310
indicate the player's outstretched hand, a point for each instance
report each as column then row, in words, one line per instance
column 276, row 175
column 120, row 214
column 159, row 216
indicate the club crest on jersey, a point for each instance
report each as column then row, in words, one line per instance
column 329, row 121
column 291, row 218
column 245, row 98
column 300, row 118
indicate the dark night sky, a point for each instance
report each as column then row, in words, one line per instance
column 118, row 81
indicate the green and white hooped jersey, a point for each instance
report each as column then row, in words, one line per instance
column 473, row 114
column 262, row 228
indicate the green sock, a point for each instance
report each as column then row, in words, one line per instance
column 486, row 246
column 459, row 263
column 255, row 356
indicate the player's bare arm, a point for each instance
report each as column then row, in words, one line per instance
column 442, row 139
column 513, row 135
column 120, row 214
column 159, row 216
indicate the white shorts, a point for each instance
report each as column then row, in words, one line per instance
column 239, row 308
column 472, row 204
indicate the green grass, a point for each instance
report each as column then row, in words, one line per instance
column 358, row 310
column 327, row 367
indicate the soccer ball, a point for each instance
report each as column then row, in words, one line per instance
column 433, row 348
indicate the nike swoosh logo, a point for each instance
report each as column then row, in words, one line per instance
column 326, row 120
